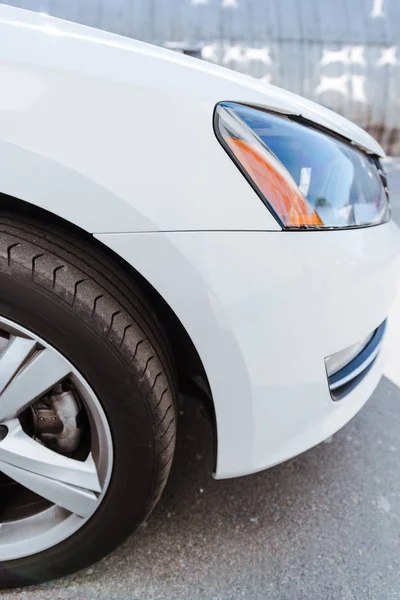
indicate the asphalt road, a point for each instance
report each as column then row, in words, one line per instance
column 323, row 526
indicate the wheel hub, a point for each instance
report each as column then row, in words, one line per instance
column 55, row 445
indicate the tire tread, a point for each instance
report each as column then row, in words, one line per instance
column 99, row 294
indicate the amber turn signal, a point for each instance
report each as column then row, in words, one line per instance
column 275, row 183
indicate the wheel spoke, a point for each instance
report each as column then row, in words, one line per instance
column 23, row 381
column 72, row 498
column 66, row 482
column 12, row 359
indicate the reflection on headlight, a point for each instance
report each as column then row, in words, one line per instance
column 324, row 182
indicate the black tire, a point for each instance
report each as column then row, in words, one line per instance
column 72, row 295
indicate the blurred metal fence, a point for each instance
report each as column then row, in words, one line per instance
column 342, row 53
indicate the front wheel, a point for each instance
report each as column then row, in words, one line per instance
column 87, row 412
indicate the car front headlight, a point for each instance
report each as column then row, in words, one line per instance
column 308, row 178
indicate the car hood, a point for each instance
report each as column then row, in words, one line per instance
column 77, row 47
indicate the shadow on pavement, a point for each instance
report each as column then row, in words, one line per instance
column 323, row 525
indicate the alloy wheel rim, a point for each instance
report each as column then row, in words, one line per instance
column 71, row 486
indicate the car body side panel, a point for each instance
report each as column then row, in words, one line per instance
column 113, row 157
column 264, row 310
column 116, row 137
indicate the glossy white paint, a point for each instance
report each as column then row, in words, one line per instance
column 263, row 310
column 116, row 136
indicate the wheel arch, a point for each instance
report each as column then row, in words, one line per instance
column 192, row 376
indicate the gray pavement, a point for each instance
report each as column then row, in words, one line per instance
column 323, row 526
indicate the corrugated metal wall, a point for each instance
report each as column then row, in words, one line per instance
column 342, row 53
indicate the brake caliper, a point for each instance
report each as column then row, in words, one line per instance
column 56, row 421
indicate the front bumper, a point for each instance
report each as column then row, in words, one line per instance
column 264, row 309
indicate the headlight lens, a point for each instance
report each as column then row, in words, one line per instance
column 308, row 178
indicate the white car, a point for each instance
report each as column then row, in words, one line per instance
column 165, row 225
